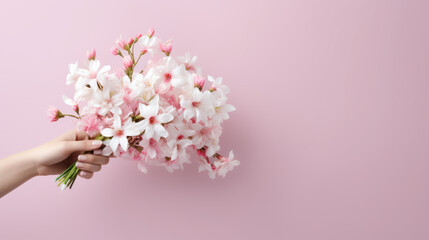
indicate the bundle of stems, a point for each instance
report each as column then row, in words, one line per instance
column 68, row 177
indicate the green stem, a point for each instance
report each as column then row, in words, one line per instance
column 62, row 174
column 69, row 115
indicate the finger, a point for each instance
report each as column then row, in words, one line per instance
column 85, row 174
column 67, row 136
column 72, row 135
column 81, row 135
column 98, row 152
column 94, row 159
column 80, row 146
column 89, row 167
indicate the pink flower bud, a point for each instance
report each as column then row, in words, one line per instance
column 143, row 51
column 139, row 35
column 150, row 32
column 201, row 152
column 114, row 51
column 76, row 108
column 54, row 114
column 199, row 81
column 130, row 41
column 166, row 47
column 91, row 54
column 128, row 62
column 121, row 43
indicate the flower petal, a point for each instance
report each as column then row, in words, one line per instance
column 164, row 117
column 149, row 131
column 124, row 142
column 114, row 143
column 117, row 122
column 107, row 132
column 160, row 131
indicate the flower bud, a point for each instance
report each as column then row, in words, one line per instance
column 201, row 152
column 138, row 36
column 91, row 54
column 114, row 51
column 130, row 41
column 76, row 108
column 166, row 47
column 121, row 43
column 199, row 81
column 54, row 114
column 127, row 62
column 150, row 32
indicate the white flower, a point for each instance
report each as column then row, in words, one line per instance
column 93, row 74
column 200, row 105
column 108, row 151
column 147, row 44
column 174, row 74
column 120, row 133
column 151, row 124
column 107, row 101
column 226, row 164
column 148, row 84
column 221, row 107
column 150, row 147
column 74, row 75
column 206, row 166
column 178, row 140
column 69, row 101
column 189, row 63
column 132, row 88
column 217, row 85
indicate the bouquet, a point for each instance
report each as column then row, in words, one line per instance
column 156, row 114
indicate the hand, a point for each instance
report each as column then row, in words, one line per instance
column 57, row 155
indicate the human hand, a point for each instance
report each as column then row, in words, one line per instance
column 57, row 155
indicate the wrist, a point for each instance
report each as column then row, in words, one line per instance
column 28, row 164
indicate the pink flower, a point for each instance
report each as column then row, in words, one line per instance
column 54, row 114
column 91, row 54
column 150, row 32
column 90, row 124
column 134, row 154
column 166, row 47
column 114, row 51
column 139, row 35
column 128, row 62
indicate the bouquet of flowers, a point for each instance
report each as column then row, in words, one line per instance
column 155, row 114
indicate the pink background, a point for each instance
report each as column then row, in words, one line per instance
column 332, row 126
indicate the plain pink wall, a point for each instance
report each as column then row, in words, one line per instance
column 332, row 126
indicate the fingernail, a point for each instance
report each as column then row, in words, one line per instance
column 79, row 164
column 81, row 157
column 97, row 143
column 98, row 152
column 83, row 173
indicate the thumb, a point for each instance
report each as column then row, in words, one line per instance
column 80, row 146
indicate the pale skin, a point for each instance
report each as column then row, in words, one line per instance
column 52, row 158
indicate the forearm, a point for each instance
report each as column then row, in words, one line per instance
column 16, row 170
